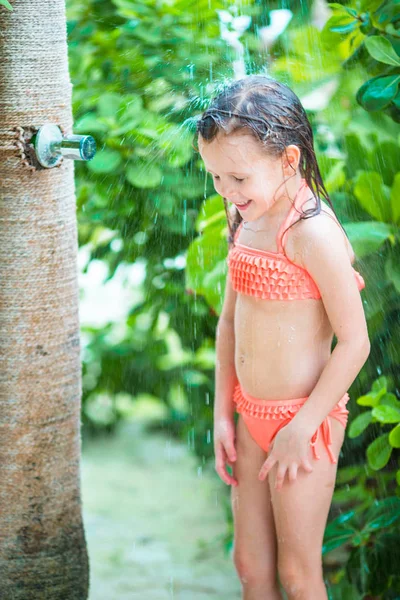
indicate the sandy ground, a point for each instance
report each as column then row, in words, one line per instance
column 154, row 520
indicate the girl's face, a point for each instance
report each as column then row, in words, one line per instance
column 243, row 174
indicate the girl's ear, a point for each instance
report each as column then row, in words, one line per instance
column 291, row 158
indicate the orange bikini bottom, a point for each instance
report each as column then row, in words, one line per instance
column 264, row 418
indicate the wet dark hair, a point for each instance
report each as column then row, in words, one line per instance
column 271, row 112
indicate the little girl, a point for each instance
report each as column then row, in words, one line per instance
column 290, row 287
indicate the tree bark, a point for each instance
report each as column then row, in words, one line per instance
column 43, row 552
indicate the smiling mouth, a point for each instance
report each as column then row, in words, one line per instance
column 243, row 205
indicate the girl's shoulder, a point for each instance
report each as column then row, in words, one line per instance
column 305, row 228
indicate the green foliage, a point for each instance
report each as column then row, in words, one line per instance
column 6, row 4
column 371, row 32
column 370, row 536
column 386, row 411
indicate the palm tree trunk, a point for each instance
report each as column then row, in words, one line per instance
column 43, row 551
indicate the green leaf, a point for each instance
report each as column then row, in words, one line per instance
column 377, row 93
column 370, row 5
column 367, row 236
column 108, row 104
column 382, row 50
column 394, row 437
column 357, row 153
column 385, row 159
column 392, row 272
column 335, row 540
column 382, row 513
column 378, row 452
column 105, row 161
column 389, row 12
column 211, row 213
column 213, row 283
column 367, row 400
column 143, row 175
column 342, row 9
column 386, row 414
column 372, row 194
column 382, row 521
column 380, row 385
column 90, row 123
column 398, row 477
column 395, row 199
column 390, row 399
column 336, row 177
column 6, row 4
column 339, row 531
column 204, row 254
column 359, row 424
column 346, row 474
column 342, row 23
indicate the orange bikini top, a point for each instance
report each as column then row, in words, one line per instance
column 272, row 275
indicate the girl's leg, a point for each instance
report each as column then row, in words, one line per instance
column 301, row 509
column 254, row 530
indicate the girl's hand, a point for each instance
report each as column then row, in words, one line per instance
column 290, row 450
column 224, row 447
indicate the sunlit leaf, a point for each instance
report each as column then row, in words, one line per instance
column 342, row 9
column 367, row 236
column 211, row 212
column 394, row 437
column 105, row 161
column 386, row 414
column 390, row 399
column 343, row 23
column 380, row 385
column 382, row 50
column 359, row 424
column 143, row 175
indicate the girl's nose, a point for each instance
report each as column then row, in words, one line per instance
column 227, row 190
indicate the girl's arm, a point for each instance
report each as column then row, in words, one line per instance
column 324, row 255
column 225, row 372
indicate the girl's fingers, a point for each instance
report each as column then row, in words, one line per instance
column 220, row 461
column 307, row 465
column 280, row 476
column 267, row 466
column 293, row 472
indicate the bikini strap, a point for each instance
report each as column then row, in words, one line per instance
column 293, row 212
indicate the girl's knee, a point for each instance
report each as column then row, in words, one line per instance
column 255, row 572
column 299, row 576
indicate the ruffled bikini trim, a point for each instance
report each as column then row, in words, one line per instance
column 269, row 277
column 286, row 412
column 262, row 411
column 271, row 411
column 273, row 278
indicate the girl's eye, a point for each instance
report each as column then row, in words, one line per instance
column 235, row 178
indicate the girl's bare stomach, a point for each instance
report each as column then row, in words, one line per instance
column 281, row 347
